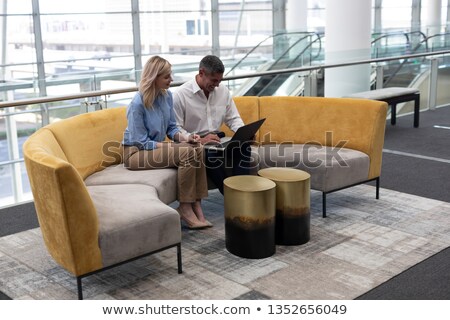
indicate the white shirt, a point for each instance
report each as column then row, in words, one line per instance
column 194, row 113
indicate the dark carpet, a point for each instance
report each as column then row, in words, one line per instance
column 18, row 218
column 15, row 219
column 427, row 280
column 423, row 177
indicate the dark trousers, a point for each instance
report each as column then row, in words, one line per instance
column 233, row 161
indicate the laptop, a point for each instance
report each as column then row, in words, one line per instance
column 243, row 134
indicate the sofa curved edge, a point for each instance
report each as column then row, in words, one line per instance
column 62, row 205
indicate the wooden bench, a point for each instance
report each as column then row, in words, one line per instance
column 392, row 96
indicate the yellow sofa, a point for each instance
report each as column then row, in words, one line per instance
column 339, row 141
column 95, row 214
column 90, row 227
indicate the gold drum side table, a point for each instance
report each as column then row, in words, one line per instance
column 292, row 224
column 250, row 216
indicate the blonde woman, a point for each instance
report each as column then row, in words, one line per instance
column 150, row 119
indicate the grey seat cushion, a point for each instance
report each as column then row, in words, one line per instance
column 132, row 221
column 164, row 180
column 330, row 168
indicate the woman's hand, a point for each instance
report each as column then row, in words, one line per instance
column 193, row 138
column 184, row 137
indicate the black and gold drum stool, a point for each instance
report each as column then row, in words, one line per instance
column 292, row 222
column 250, row 216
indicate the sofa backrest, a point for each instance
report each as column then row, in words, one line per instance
column 307, row 119
column 248, row 108
column 92, row 141
column 351, row 123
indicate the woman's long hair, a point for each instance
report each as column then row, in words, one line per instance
column 154, row 67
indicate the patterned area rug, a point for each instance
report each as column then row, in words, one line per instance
column 362, row 243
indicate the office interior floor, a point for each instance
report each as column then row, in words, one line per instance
column 392, row 248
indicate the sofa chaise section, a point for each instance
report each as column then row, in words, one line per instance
column 87, row 229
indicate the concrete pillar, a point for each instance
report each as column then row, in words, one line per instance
column 297, row 15
column 432, row 18
column 296, row 21
column 377, row 23
column 347, row 38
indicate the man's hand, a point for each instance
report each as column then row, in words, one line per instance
column 210, row 138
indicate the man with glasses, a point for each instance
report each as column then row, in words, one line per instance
column 201, row 106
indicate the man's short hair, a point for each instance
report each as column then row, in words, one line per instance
column 212, row 64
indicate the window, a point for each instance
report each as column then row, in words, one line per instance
column 190, row 27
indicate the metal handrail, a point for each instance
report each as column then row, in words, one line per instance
column 393, row 34
column 89, row 94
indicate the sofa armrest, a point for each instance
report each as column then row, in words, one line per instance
column 66, row 213
column 375, row 150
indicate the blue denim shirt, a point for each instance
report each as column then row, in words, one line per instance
column 148, row 126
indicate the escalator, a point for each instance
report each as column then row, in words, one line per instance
column 294, row 49
column 415, row 72
column 300, row 49
column 400, row 73
column 404, row 72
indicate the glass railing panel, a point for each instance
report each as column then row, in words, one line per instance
column 235, row 86
column 64, row 66
column 6, row 189
column 24, row 190
column 65, row 109
column 19, row 83
column 16, row 125
column 416, row 73
column 119, row 99
column 85, row 81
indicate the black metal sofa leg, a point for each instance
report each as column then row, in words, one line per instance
column 377, row 196
column 180, row 266
column 324, row 195
column 80, row 289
